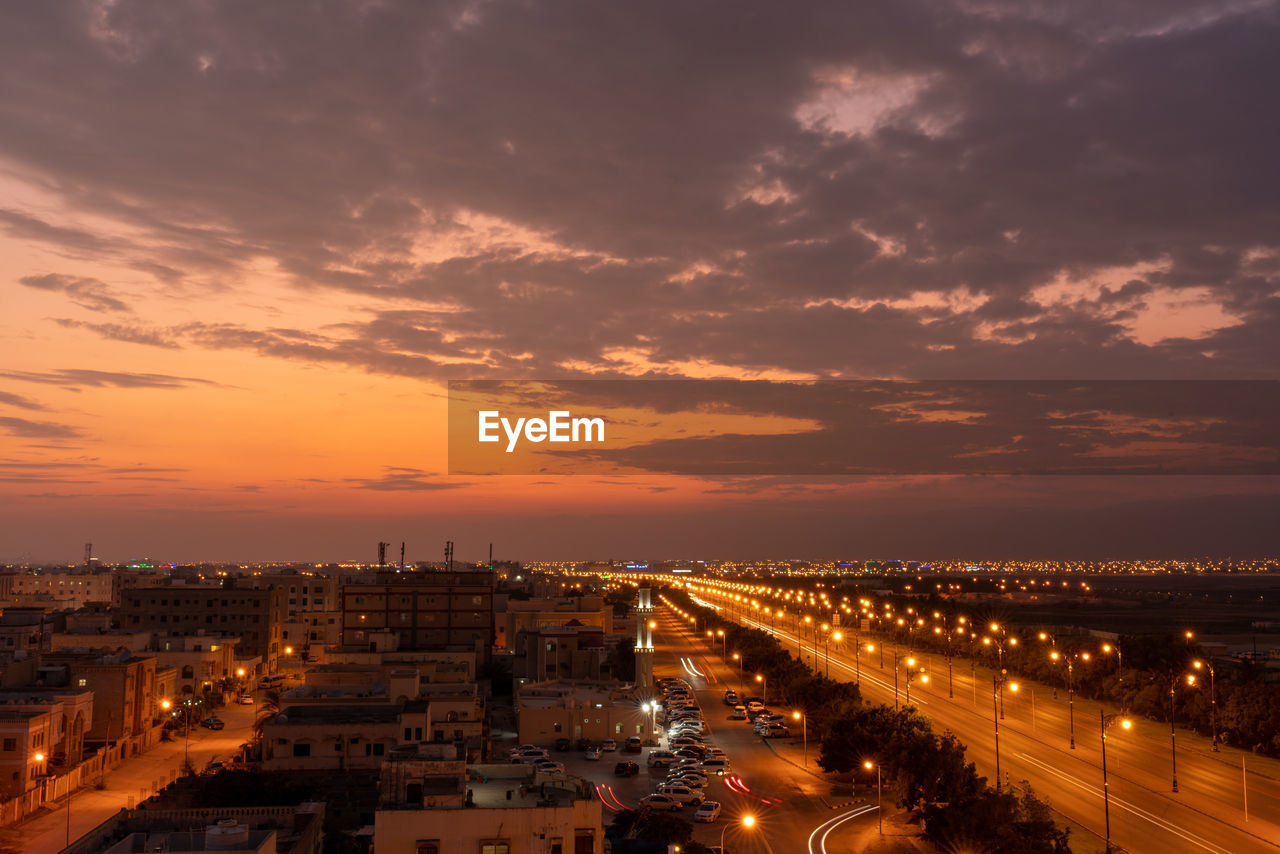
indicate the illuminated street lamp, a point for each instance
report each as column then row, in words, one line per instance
column 1107, row 721
column 1071, row 687
column 764, row 687
column 826, row 648
column 1213, row 698
column 879, row 806
column 723, row 647
column 1173, row 737
column 804, row 729
column 748, row 822
column 1108, row 649
column 738, row 658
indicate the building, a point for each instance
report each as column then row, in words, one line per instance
column 70, row 718
column 202, row 664
column 304, row 592
column 125, row 703
column 339, row 736
column 546, row 711
column 430, row 806
column 257, row 829
column 60, row 588
column 256, row 617
column 26, row 737
column 426, row 609
column 521, row 615
column 571, row 651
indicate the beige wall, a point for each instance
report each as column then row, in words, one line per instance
column 528, row 830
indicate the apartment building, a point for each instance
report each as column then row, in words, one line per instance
column 125, row 702
column 256, row 617
column 426, row 609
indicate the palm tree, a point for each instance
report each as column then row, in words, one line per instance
column 267, row 711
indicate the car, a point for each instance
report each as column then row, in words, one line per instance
column 730, row 697
column 755, row 706
column 661, row 758
column 715, row 751
column 582, row 744
column 686, row 795
column 626, row 769
column 738, row 714
column 634, row 745
column 214, row 723
column 530, row 756
column 593, row 754
column 708, row 811
column 777, row 731
column 549, row 766
column 716, row 765
column 692, row 779
column 214, row 767
column 608, row 745
column 563, row 744
column 691, row 753
column 661, row 802
column 246, row 700
column 685, row 741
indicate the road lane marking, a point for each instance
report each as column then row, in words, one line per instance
column 1125, row 805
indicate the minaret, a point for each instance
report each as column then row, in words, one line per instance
column 644, row 639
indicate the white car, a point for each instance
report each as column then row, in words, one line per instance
column 660, row 802
column 682, row 793
column 593, row 754
column 717, row 765
column 549, row 766
column 709, row 811
column 608, row 745
column 689, row 778
column 716, row 753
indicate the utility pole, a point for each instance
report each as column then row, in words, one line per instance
column 402, row 554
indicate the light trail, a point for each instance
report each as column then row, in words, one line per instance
column 818, row 843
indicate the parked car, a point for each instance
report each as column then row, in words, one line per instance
column 213, row 723
column 715, row 751
column 660, row 802
column 709, row 811
column 691, row 753
column 582, row 744
column 246, row 700
column 717, row 766
column 739, row 713
column 634, row 745
column 563, row 744
column 755, row 706
column 626, row 769
column 695, row 779
column 661, row 758
column 593, row 754
column 608, row 745
column 731, row 697
column 684, row 794
column 214, row 767
column 549, row 766
column 777, row 731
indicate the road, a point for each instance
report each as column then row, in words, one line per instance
column 129, row 783
column 793, row 806
column 1205, row 815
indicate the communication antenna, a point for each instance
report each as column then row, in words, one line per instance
column 382, row 553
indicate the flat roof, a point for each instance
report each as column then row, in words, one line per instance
column 347, row 714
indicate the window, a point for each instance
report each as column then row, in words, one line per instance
column 495, row 848
column 10, row 744
column 301, row 749
column 584, row 841
column 428, row 846
column 83, row 682
column 556, row 726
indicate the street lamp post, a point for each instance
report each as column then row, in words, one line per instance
column 997, row 688
column 879, row 805
column 1213, row 699
column 833, row 636
column 748, row 821
column 804, row 729
column 1108, row 649
column 1106, row 723
column 1173, row 736
column 738, row 658
column 764, row 688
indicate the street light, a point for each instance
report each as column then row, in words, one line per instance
column 1173, row 737
column 879, row 806
column 1108, row 649
column 804, row 729
column 748, row 822
column 826, row 648
column 1071, row 687
column 1107, row 721
column 764, row 688
column 738, row 658
column 1213, row 698
column 997, row 690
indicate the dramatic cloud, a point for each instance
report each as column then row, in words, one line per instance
column 87, row 293
column 26, row 429
column 84, row 377
column 11, row 399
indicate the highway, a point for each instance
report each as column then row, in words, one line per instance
column 1205, row 815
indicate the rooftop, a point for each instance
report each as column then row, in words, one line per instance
column 339, row 714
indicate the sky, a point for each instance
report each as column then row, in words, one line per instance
column 244, row 247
